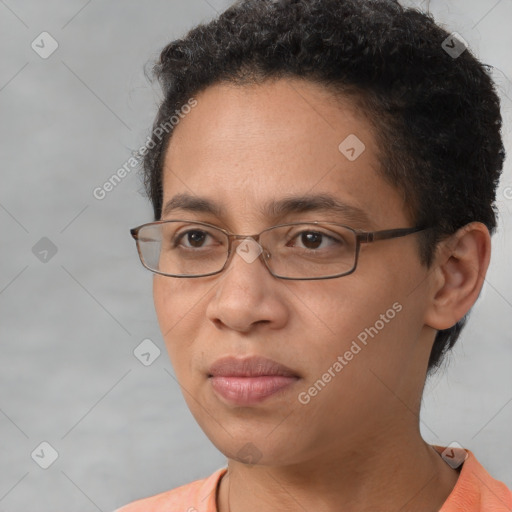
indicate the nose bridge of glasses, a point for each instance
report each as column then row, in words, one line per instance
column 243, row 237
column 249, row 247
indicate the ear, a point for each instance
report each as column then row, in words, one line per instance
column 458, row 275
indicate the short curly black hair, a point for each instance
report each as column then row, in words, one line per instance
column 436, row 116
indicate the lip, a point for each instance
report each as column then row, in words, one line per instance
column 254, row 366
column 249, row 380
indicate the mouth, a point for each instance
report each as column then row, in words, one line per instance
column 250, row 380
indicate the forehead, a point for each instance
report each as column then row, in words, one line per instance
column 243, row 146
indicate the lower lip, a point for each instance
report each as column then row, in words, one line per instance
column 250, row 390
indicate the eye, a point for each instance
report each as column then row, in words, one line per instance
column 194, row 237
column 313, row 240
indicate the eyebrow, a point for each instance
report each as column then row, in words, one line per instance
column 273, row 209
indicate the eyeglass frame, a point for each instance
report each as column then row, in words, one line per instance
column 361, row 237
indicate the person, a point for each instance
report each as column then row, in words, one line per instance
column 323, row 177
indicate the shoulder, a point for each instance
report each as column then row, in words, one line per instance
column 197, row 496
column 476, row 490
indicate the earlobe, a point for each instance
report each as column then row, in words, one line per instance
column 458, row 275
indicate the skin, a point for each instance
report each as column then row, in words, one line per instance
column 357, row 442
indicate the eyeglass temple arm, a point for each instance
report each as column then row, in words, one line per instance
column 372, row 236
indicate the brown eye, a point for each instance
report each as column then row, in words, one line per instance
column 313, row 240
column 195, row 238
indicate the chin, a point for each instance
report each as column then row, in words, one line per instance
column 254, row 445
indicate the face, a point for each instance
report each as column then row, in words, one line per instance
column 357, row 345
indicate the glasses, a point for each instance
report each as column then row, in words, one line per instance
column 298, row 250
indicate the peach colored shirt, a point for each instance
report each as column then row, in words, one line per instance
column 475, row 491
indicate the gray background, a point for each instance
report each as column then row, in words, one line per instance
column 70, row 324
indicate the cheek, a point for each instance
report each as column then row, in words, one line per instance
column 340, row 308
column 179, row 318
column 165, row 304
column 176, row 303
column 364, row 319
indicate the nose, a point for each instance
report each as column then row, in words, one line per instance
column 247, row 294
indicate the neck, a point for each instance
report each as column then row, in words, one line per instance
column 406, row 475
